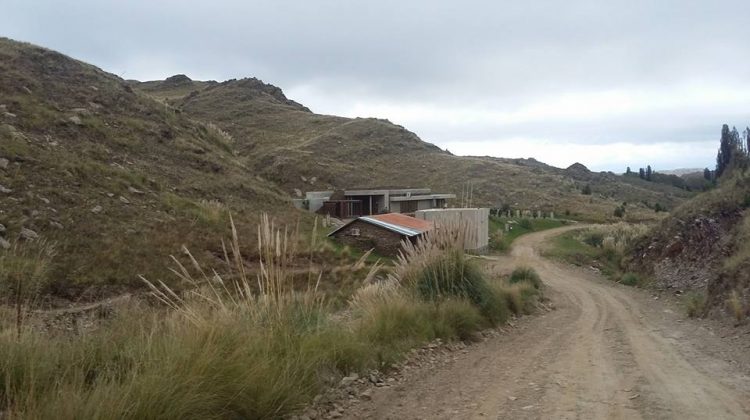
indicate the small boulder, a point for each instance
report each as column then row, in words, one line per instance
column 348, row 380
column 366, row 395
column 97, row 209
column 2, row 229
column 4, row 244
column 134, row 191
column 5, row 190
column 56, row 225
column 4, row 163
column 28, row 234
column 75, row 119
column 124, row 200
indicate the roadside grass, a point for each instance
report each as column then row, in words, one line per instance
column 601, row 247
column 525, row 274
column 736, row 307
column 695, row 303
column 500, row 240
column 237, row 345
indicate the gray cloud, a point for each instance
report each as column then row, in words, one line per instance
column 639, row 72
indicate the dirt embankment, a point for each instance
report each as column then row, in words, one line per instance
column 607, row 351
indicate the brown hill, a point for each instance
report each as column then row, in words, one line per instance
column 116, row 179
column 298, row 149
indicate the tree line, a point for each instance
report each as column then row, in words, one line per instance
column 733, row 151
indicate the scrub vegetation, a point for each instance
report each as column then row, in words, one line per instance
column 244, row 346
column 501, row 240
column 602, row 247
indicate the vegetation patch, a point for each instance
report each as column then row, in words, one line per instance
column 239, row 345
column 501, row 239
column 695, row 304
column 601, row 247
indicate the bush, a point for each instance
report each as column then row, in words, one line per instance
column 526, row 224
column 234, row 350
column 695, row 304
column 593, row 238
column 735, row 306
column 630, row 279
column 527, row 274
column 457, row 319
column 518, row 297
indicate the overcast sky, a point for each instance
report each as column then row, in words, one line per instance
column 605, row 83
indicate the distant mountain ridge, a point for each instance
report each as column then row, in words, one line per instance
column 681, row 171
column 302, row 151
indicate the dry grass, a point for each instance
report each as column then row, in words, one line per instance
column 736, row 308
column 237, row 345
column 695, row 304
column 24, row 274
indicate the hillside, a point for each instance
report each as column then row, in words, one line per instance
column 704, row 247
column 116, row 180
column 300, row 150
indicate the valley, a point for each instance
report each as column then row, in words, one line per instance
column 148, row 234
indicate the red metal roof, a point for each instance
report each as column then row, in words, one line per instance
column 404, row 221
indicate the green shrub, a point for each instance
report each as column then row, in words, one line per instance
column 457, row 318
column 526, row 274
column 526, row 224
column 695, row 304
column 630, row 279
column 518, row 297
column 227, row 350
column 593, row 238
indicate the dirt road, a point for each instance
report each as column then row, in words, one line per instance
column 606, row 351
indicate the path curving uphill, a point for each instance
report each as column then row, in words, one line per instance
column 606, row 352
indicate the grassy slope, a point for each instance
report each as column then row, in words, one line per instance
column 301, row 150
column 77, row 137
column 501, row 240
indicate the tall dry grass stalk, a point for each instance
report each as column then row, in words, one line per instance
column 267, row 297
column 416, row 257
column 616, row 237
column 24, row 273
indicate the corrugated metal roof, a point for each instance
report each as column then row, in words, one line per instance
column 403, row 220
column 395, row 222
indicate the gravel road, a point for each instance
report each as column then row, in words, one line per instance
column 607, row 351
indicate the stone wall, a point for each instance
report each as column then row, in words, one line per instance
column 370, row 236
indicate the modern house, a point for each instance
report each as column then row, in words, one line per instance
column 353, row 203
column 383, row 232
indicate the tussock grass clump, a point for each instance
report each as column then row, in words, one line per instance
column 24, row 273
column 695, row 304
column 436, row 268
column 630, row 279
column 734, row 303
column 526, row 274
column 237, row 345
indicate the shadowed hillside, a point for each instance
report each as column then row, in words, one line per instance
column 117, row 180
column 300, row 150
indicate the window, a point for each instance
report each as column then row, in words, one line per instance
column 355, row 232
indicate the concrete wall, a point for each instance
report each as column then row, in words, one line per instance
column 315, row 199
column 476, row 221
column 424, row 204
